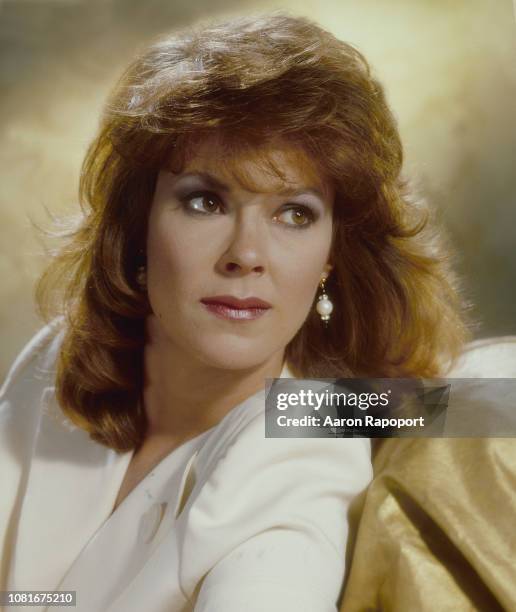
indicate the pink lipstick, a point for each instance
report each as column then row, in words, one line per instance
column 235, row 309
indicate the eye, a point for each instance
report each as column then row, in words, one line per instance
column 296, row 217
column 202, row 202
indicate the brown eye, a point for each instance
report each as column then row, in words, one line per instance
column 298, row 216
column 203, row 203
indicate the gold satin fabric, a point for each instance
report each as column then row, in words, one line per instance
column 436, row 529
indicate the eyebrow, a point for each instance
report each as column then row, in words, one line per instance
column 215, row 183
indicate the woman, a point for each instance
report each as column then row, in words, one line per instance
column 241, row 171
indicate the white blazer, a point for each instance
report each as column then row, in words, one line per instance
column 229, row 522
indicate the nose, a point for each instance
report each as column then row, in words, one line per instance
column 245, row 252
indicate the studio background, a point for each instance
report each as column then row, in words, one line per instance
column 449, row 69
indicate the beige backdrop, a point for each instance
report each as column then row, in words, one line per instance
column 448, row 66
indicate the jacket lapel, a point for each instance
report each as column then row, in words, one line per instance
column 114, row 559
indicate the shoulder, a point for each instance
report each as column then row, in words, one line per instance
column 244, row 452
column 35, row 362
column 487, row 358
column 239, row 446
column 256, row 483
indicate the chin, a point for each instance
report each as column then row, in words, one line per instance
column 233, row 353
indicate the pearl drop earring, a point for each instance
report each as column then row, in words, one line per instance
column 324, row 305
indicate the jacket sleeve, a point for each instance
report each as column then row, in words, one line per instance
column 269, row 529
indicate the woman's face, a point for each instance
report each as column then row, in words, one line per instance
column 228, row 230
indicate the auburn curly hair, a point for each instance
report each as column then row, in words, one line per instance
column 399, row 312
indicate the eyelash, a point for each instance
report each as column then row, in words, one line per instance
column 186, row 201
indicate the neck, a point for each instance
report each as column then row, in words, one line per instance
column 183, row 396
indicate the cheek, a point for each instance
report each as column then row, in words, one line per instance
column 300, row 287
column 301, row 273
column 164, row 249
column 175, row 254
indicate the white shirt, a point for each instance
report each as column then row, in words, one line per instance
column 227, row 522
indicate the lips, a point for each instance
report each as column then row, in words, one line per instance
column 233, row 302
column 234, row 309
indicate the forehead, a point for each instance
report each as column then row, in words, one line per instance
column 268, row 167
